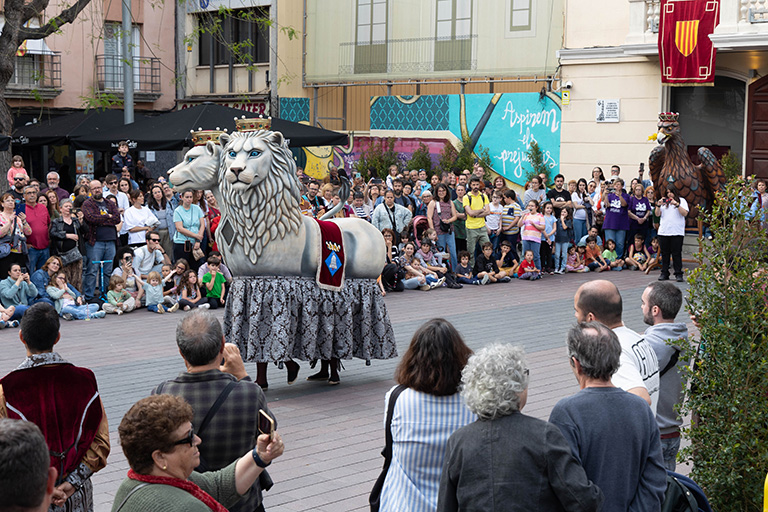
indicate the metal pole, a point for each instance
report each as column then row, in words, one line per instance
column 128, row 63
column 274, row 107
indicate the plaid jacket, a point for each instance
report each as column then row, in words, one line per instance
column 234, row 428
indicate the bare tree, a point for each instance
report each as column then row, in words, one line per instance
column 17, row 13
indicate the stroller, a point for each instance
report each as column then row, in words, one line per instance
column 419, row 225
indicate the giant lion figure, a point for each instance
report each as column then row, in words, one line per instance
column 262, row 231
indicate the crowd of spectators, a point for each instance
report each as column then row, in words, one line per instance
column 457, row 228
column 111, row 246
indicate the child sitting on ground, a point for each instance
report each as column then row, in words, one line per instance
column 437, row 250
column 575, row 262
column 486, row 268
column 222, row 267
column 654, row 255
column 214, row 283
column 610, row 256
column 463, row 271
column 507, row 262
column 527, row 268
column 154, row 294
column 637, row 258
column 593, row 257
column 118, row 299
column 191, row 296
column 428, row 260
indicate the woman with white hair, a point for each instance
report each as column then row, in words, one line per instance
column 506, row 460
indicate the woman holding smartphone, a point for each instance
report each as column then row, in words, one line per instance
column 672, row 210
column 190, row 228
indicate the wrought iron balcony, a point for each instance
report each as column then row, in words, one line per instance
column 36, row 76
column 412, row 55
column 146, row 76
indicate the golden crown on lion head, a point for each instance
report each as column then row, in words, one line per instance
column 253, row 124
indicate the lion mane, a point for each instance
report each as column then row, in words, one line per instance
column 269, row 207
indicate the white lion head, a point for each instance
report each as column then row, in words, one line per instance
column 259, row 190
column 198, row 170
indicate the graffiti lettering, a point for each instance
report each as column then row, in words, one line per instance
column 530, row 119
column 517, row 158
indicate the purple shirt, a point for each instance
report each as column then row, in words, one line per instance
column 616, row 216
column 639, row 207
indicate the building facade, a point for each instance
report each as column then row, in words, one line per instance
column 611, row 54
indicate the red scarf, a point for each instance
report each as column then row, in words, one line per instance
column 188, row 486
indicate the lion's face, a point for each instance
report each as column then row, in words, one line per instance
column 198, row 170
column 247, row 161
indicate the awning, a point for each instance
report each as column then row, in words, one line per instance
column 171, row 131
column 59, row 130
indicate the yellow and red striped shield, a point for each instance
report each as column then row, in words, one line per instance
column 686, row 36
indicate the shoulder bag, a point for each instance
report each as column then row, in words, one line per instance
column 375, row 497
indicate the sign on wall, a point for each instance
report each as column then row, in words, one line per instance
column 607, row 111
column 259, row 107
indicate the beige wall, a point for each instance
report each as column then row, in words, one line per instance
column 79, row 43
column 586, row 143
column 587, row 26
column 333, row 22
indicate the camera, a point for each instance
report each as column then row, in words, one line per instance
column 568, row 85
column 357, row 175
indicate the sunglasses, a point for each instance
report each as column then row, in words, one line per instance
column 189, row 439
column 153, row 239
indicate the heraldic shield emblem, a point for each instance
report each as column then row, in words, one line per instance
column 686, row 36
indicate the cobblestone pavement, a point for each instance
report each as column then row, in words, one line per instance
column 334, row 435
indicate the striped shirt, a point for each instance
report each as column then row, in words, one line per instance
column 511, row 211
column 421, row 426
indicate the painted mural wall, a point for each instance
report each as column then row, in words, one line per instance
column 504, row 123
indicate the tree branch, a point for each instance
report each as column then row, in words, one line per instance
column 66, row 16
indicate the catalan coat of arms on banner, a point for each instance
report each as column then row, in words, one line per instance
column 686, row 54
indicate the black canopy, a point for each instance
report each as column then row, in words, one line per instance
column 171, row 131
column 60, row 130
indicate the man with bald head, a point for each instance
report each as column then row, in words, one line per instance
column 600, row 301
column 101, row 217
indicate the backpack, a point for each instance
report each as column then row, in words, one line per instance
column 683, row 495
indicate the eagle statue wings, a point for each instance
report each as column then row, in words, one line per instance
column 672, row 168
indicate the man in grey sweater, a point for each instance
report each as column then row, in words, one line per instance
column 612, row 433
column 661, row 302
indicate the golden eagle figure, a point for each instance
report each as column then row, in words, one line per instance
column 672, row 168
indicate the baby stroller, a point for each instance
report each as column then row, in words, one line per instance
column 420, row 225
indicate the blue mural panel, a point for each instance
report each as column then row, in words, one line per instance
column 409, row 112
column 506, row 124
column 294, row 109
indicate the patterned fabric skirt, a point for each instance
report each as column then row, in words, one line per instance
column 278, row 318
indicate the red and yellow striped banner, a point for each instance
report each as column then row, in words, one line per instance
column 686, row 35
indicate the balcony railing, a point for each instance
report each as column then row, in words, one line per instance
column 36, row 75
column 146, row 76
column 750, row 11
column 411, row 55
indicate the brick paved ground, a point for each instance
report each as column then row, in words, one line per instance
column 334, row 435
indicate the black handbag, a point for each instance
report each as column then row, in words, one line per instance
column 374, row 500
column 71, row 256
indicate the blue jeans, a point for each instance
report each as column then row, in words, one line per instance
column 534, row 247
column 152, row 308
column 80, row 312
column 449, row 242
column 669, row 449
column 579, row 229
column 37, row 258
column 19, row 312
column 561, row 255
column 618, row 236
column 100, row 251
column 466, row 280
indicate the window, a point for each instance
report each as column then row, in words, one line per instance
column 520, row 18
column 371, row 41
column 113, row 55
column 453, row 27
column 239, row 34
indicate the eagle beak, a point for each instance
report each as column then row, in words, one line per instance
column 661, row 137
